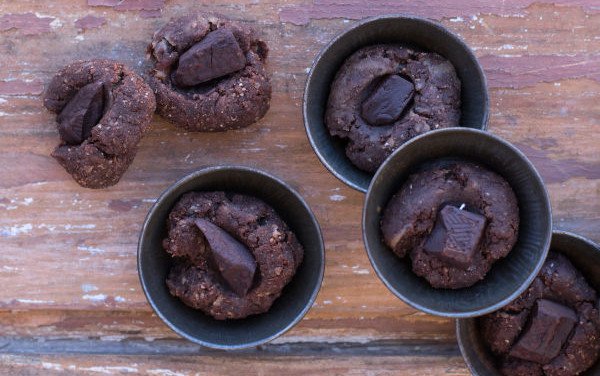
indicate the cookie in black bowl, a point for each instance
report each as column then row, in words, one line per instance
column 454, row 219
column 476, row 223
column 232, row 253
column 553, row 328
column 230, row 257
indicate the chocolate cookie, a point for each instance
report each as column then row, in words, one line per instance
column 232, row 253
column 103, row 110
column 454, row 220
column 384, row 95
column 553, row 328
column 209, row 73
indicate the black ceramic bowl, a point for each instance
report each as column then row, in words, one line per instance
column 509, row 276
column 582, row 252
column 297, row 297
column 403, row 29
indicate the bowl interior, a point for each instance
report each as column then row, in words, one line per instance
column 509, row 276
column 582, row 253
column 297, row 297
column 412, row 31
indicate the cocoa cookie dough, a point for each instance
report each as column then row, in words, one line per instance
column 384, row 95
column 232, row 254
column 209, row 73
column 103, row 110
column 553, row 328
column 454, row 219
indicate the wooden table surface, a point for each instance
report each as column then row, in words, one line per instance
column 70, row 300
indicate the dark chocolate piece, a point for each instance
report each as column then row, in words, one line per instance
column 456, row 235
column 81, row 114
column 217, row 55
column 387, row 102
column 548, row 329
column 233, row 260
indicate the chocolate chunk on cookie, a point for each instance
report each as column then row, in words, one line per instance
column 456, row 236
column 103, row 110
column 233, row 260
column 217, row 55
column 548, row 329
column 81, row 114
column 209, row 73
column 388, row 100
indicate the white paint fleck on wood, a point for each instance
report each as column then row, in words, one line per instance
column 91, row 250
column 95, row 298
column 52, row 366
column 88, row 287
column 34, row 301
column 16, row 230
column 164, row 372
column 108, row 370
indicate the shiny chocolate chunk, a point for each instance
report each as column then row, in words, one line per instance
column 456, row 236
column 549, row 327
column 81, row 114
column 387, row 102
column 217, row 55
column 233, row 260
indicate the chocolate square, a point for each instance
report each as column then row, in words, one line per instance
column 387, row 102
column 549, row 327
column 217, row 55
column 456, row 236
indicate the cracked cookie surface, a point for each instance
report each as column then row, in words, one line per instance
column 198, row 82
column 98, row 157
column 435, row 105
column 410, row 216
column 194, row 278
column 560, row 283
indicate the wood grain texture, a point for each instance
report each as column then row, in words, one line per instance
column 223, row 365
column 68, row 267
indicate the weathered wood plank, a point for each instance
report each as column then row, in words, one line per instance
column 225, row 365
column 117, row 325
column 303, row 12
column 179, row 347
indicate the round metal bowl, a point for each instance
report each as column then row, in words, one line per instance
column 298, row 296
column 409, row 30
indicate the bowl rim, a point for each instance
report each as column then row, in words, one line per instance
column 529, row 279
column 195, row 175
column 460, row 322
column 392, row 16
